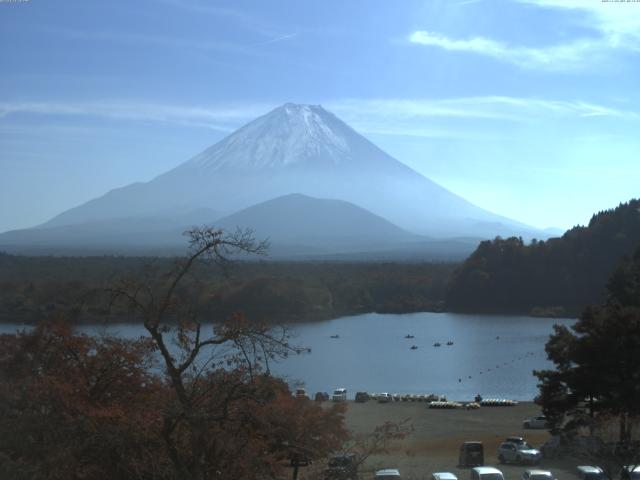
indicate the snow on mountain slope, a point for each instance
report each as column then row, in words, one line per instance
column 290, row 135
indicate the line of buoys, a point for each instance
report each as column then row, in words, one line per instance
column 447, row 405
column 498, row 402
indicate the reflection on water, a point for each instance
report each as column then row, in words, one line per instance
column 490, row 354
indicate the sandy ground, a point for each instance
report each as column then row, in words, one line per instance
column 437, row 435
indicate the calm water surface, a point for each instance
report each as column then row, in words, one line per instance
column 371, row 354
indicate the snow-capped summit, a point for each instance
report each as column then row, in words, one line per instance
column 287, row 136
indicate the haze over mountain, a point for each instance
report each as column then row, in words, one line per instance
column 304, row 220
column 294, row 149
column 309, row 228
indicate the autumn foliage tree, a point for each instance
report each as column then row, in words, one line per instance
column 74, row 406
column 194, row 399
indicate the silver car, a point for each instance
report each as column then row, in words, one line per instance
column 535, row 422
column 537, row 475
column 518, row 453
column 443, row 476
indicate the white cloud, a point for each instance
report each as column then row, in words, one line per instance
column 200, row 44
column 616, row 26
column 463, row 118
column 559, row 57
column 617, row 22
column 222, row 118
column 518, row 109
column 431, row 118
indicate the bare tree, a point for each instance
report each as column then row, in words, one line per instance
column 208, row 367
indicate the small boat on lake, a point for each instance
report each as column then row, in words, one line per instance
column 335, row 336
column 408, row 335
column 437, row 344
column 449, row 343
column 414, row 347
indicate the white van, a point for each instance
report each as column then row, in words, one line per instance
column 443, row 476
column 588, row 472
column 388, row 474
column 486, row 473
column 385, row 398
column 339, row 395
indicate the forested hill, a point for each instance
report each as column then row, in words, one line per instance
column 556, row 277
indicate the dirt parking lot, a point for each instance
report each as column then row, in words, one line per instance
column 437, row 435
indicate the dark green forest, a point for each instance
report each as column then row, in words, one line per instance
column 33, row 287
column 556, row 277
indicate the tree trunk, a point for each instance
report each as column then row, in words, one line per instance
column 624, row 436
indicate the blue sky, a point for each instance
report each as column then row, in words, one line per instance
column 529, row 108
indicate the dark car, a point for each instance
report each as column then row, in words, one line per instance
column 362, row 397
column 471, row 454
column 342, row 467
column 321, row 397
column 300, row 460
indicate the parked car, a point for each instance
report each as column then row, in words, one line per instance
column 443, row 476
column 339, row 395
column 537, row 475
column 518, row 453
column 486, row 473
column 535, row 422
column 388, row 474
column 630, row 472
column 385, row 398
column 300, row 460
column 516, row 440
column 342, row 467
column 471, row 454
column 362, row 397
column 321, row 397
column 588, row 472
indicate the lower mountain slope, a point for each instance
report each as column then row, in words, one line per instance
column 301, row 220
column 148, row 235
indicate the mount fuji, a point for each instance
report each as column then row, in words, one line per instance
column 294, row 149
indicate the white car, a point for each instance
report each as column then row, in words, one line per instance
column 588, row 472
column 443, row 476
column 388, row 474
column 518, row 453
column 535, row 422
column 339, row 395
column 537, row 475
column 385, row 398
column 486, row 473
column 630, row 472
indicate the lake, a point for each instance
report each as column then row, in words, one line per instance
column 493, row 355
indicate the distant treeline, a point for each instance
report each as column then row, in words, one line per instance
column 32, row 288
column 556, row 277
